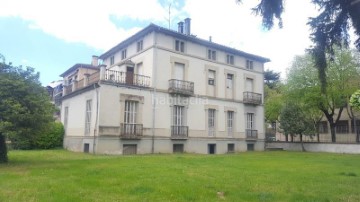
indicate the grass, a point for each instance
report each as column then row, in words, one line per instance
column 256, row 176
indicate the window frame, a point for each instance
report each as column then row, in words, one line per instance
column 139, row 45
column 211, row 122
column 88, row 112
column 179, row 45
column 211, row 54
column 112, row 60
column 230, row 59
column 123, row 54
column 230, row 122
column 211, row 79
column 250, row 64
column 229, row 81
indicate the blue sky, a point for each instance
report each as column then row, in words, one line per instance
column 51, row 36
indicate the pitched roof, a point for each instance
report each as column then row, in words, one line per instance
column 78, row 65
column 152, row 27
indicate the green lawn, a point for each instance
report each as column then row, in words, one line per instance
column 256, row 176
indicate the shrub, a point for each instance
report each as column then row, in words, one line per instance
column 51, row 138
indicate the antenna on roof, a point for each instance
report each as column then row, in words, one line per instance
column 169, row 16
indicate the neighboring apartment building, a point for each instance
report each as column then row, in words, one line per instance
column 162, row 91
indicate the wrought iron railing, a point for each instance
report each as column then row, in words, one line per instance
column 128, row 78
column 251, row 134
column 179, row 132
column 252, row 98
column 181, row 87
column 131, row 130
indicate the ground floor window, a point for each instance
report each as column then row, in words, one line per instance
column 250, row 147
column 86, row 148
column 129, row 149
column 211, row 148
column 231, row 148
column 178, row 148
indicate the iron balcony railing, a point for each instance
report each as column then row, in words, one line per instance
column 131, row 130
column 128, row 78
column 181, row 87
column 252, row 98
column 251, row 134
column 179, row 132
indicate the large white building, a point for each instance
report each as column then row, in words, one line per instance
column 164, row 91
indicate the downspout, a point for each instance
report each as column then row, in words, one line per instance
column 154, row 94
column 97, row 116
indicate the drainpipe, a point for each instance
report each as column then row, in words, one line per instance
column 97, row 116
column 154, row 94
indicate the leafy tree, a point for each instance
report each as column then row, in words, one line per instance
column 331, row 27
column 295, row 121
column 25, row 107
column 271, row 78
column 342, row 75
column 51, row 138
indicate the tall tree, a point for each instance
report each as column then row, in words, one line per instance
column 343, row 75
column 25, row 107
column 331, row 27
column 271, row 78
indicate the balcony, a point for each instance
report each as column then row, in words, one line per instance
column 127, row 78
column 252, row 98
column 179, row 132
column 131, row 131
column 109, row 77
column 251, row 134
column 181, row 87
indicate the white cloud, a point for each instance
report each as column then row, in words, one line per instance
column 228, row 23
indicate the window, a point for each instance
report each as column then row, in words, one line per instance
column 211, row 122
column 231, row 148
column 249, row 121
column 178, row 148
column 130, row 117
column 342, row 127
column 229, row 81
column 86, row 148
column 139, row 46
column 211, row 148
column 322, row 126
column 357, row 126
column 178, row 116
column 130, row 112
column 129, row 149
column 230, row 122
column 88, row 117
column 123, row 54
column 250, row 147
column 230, row 59
column 211, row 54
column 112, row 61
column 211, row 77
column 66, row 116
column 180, row 46
column 249, row 64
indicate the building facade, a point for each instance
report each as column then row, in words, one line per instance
column 165, row 91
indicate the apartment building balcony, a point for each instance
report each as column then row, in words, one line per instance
column 181, row 87
column 252, row 98
column 179, row 132
column 131, row 131
column 251, row 134
column 109, row 77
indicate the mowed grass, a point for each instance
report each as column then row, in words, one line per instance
column 60, row 175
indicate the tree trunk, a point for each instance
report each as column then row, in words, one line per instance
column 292, row 137
column 318, row 136
column 333, row 132
column 301, row 138
column 3, row 149
column 286, row 137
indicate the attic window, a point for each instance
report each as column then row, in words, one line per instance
column 123, row 54
column 112, row 60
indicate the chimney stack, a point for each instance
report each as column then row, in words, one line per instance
column 187, row 26
column 95, row 60
column 181, row 27
column 210, row 38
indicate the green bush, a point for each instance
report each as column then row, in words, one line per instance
column 3, row 149
column 51, row 138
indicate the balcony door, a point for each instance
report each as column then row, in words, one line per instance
column 130, row 117
column 178, row 120
column 129, row 75
column 179, row 71
column 249, row 86
column 250, row 121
